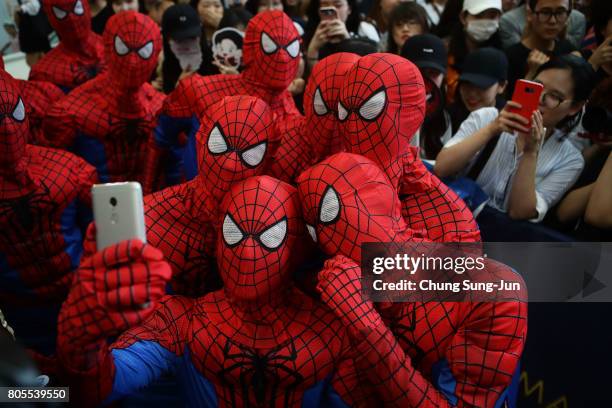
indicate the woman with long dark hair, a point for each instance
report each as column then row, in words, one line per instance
column 525, row 170
column 478, row 28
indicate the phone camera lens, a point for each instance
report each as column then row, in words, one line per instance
column 113, row 201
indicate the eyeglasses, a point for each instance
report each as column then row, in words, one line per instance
column 545, row 14
column 551, row 100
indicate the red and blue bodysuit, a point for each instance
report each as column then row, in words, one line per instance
column 79, row 55
column 109, row 121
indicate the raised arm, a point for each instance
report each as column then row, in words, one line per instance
column 113, row 290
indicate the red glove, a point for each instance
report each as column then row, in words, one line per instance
column 112, row 291
column 340, row 289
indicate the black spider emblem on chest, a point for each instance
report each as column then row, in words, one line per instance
column 24, row 214
column 261, row 372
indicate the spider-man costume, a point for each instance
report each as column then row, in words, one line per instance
column 38, row 97
column 416, row 354
column 271, row 57
column 257, row 342
column 382, row 105
column 109, row 121
column 79, row 55
column 181, row 220
column 311, row 138
column 44, row 195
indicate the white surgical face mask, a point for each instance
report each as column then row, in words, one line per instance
column 482, row 30
column 188, row 53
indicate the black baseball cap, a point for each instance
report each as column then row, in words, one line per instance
column 484, row 67
column 426, row 51
column 180, row 22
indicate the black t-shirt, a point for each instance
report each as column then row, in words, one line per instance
column 517, row 60
column 34, row 32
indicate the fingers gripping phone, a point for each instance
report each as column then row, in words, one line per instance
column 118, row 212
column 328, row 13
column 528, row 94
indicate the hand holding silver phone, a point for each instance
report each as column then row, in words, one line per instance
column 118, row 212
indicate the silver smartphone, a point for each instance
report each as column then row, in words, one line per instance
column 118, row 212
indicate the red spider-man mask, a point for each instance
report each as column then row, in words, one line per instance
column 233, row 142
column 132, row 42
column 260, row 227
column 347, row 200
column 13, row 123
column 382, row 105
column 71, row 19
column 271, row 50
column 321, row 98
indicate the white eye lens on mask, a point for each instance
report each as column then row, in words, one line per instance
column 188, row 53
column 482, row 30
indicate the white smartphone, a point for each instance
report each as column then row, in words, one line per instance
column 118, row 212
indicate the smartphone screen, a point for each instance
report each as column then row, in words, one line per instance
column 328, row 13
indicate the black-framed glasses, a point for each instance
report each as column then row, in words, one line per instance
column 545, row 14
column 552, row 100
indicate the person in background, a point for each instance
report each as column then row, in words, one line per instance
column 181, row 31
column 257, row 6
column 98, row 22
column 597, row 45
column 434, row 10
column 525, row 170
column 79, row 55
column 428, row 53
column 589, row 206
column 545, row 22
column 379, row 14
column 32, row 29
column 359, row 46
column 330, row 30
column 478, row 28
column 512, row 24
column 449, row 19
column 295, row 10
column 508, row 5
column 211, row 13
column 407, row 20
column 586, row 211
column 482, row 83
column 236, row 17
column 156, row 9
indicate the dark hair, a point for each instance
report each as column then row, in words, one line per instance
column 601, row 13
column 457, row 46
column 434, row 128
column 406, row 12
column 583, row 78
column 534, row 3
column 449, row 18
column 583, row 75
column 234, row 17
column 312, row 12
column 359, row 46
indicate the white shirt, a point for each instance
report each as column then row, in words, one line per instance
column 558, row 165
column 434, row 11
column 367, row 30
